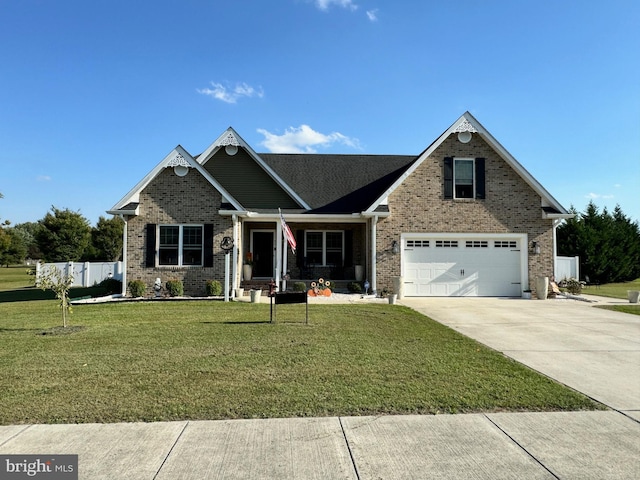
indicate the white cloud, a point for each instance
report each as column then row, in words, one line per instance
column 303, row 139
column 43, row 178
column 325, row 4
column 372, row 15
column 231, row 94
column 595, row 196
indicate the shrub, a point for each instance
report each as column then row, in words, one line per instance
column 137, row 288
column 214, row 288
column 111, row 285
column 299, row 287
column 573, row 286
column 354, row 287
column 175, row 288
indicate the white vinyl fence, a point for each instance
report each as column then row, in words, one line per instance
column 85, row 274
column 567, row 267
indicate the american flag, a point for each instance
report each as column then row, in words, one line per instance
column 286, row 231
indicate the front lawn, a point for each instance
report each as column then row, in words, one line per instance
column 151, row 361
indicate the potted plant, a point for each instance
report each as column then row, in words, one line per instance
column 247, row 268
column 390, row 294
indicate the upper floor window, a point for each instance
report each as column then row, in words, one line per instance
column 464, row 178
column 180, row 245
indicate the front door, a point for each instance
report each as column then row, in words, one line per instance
column 262, row 247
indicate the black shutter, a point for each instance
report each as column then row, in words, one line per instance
column 448, row 177
column 208, row 245
column 150, row 258
column 480, row 182
column 300, row 248
column 348, row 248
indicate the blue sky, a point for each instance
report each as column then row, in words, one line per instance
column 93, row 94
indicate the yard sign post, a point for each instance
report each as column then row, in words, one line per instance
column 282, row 298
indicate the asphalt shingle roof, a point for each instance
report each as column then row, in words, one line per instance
column 338, row 183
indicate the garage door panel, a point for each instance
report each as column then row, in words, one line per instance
column 460, row 267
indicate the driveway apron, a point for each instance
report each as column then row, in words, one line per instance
column 592, row 350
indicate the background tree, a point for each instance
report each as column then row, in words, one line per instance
column 608, row 244
column 16, row 251
column 63, row 236
column 27, row 231
column 5, row 240
column 106, row 240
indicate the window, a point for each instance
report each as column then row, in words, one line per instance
column 324, row 248
column 505, row 244
column 477, row 244
column 180, row 245
column 446, row 244
column 417, row 243
column 463, row 178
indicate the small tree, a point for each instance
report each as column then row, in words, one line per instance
column 60, row 283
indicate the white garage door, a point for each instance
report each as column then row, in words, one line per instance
column 458, row 266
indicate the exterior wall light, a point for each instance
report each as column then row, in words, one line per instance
column 395, row 248
column 535, row 248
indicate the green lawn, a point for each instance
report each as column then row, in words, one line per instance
column 634, row 309
column 152, row 361
column 15, row 277
column 613, row 290
column 16, row 285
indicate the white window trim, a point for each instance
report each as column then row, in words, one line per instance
column 473, row 181
column 324, row 244
column 180, row 245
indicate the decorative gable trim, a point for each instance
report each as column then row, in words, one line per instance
column 178, row 158
column 227, row 138
column 231, row 137
column 467, row 123
column 178, row 161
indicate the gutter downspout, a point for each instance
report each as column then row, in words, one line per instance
column 555, row 224
column 124, row 256
column 374, row 246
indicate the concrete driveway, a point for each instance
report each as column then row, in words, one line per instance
column 592, row 350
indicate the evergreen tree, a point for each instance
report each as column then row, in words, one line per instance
column 608, row 244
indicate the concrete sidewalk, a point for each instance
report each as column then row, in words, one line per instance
column 574, row 445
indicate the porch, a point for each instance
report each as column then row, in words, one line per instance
column 333, row 251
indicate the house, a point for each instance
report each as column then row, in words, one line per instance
column 462, row 218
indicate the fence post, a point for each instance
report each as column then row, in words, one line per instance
column 87, row 274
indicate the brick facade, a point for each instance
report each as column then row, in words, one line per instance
column 170, row 199
column 418, row 206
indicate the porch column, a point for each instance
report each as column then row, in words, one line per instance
column 234, row 253
column 124, row 256
column 278, row 272
column 374, row 247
